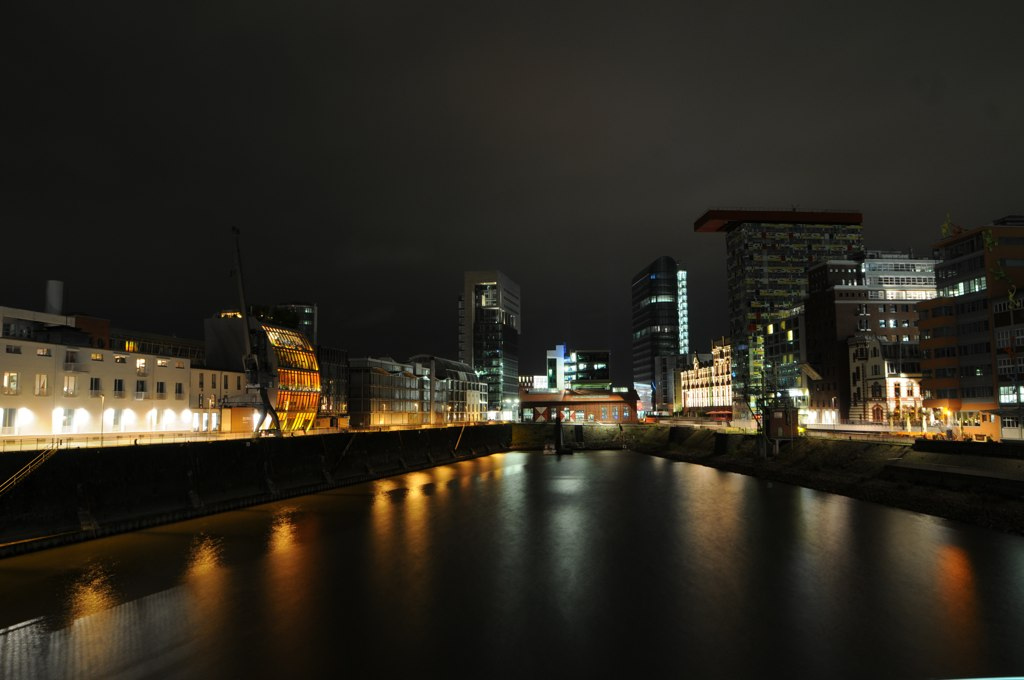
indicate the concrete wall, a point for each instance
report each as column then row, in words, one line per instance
column 84, row 493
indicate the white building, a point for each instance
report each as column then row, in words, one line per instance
column 60, row 379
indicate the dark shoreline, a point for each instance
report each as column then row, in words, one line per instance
column 858, row 470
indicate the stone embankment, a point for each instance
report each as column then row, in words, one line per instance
column 982, row 484
column 80, row 494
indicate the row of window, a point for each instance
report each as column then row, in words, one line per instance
column 71, row 357
column 11, row 385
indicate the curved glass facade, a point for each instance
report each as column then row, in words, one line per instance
column 296, row 396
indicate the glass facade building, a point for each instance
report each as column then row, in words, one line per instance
column 660, row 317
column 489, row 328
column 296, row 391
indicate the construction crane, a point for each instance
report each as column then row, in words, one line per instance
column 258, row 375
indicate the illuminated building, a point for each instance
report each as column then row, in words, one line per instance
column 298, row 317
column 426, row 391
column 885, row 381
column 660, row 319
column 583, row 369
column 286, row 354
column 972, row 333
column 875, row 294
column 618, row 406
column 57, row 380
column 768, row 254
column 706, row 384
column 489, row 328
column 456, row 395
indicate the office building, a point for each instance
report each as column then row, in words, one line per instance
column 660, row 319
column 489, row 328
column 577, row 369
column 972, row 333
column 768, row 253
column 875, row 294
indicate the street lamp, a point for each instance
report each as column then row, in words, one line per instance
column 835, row 414
column 103, row 400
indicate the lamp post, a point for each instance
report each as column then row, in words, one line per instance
column 103, row 401
column 835, row 415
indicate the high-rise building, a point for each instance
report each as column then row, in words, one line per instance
column 660, row 318
column 489, row 327
column 768, row 253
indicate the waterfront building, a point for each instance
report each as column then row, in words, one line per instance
column 489, row 328
column 60, row 378
column 456, row 395
column 972, row 333
column 660, row 320
column 286, row 357
column 612, row 407
column 425, row 391
column 333, row 363
column 768, row 253
column 706, row 383
column 885, row 381
column 220, row 400
column 156, row 344
column 385, row 393
column 876, row 293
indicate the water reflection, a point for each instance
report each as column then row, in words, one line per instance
column 91, row 593
column 530, row 566
column 956, row 589
column 205, row 581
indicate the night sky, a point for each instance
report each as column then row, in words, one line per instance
column 370, row 152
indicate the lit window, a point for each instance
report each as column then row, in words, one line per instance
column 162, row 363
column 120, row 359
column 96, row 356
column 10, row 385
column 43, row 352
column 42, row 385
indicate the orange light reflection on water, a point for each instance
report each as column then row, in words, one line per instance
column 956, row 588
column 91, row 593
column 91, row 631
column 206, row 579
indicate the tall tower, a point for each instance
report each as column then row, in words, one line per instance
column 660, row 317
column 768, row 253
column 489, row 327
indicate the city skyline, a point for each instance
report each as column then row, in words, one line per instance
column 370, row 155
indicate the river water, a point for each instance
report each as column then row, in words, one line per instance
column 525, row 565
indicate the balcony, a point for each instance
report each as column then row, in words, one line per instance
column 139, row 396
column 74, row 367
column 118, row 394
column 95, row 393
column 179, row 395
column 161, row 395
column 141, row 371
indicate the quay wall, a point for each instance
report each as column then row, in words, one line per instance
column 84, row 493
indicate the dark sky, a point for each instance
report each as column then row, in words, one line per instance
column 373, row 151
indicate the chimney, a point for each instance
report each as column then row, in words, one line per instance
column 54, row 297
